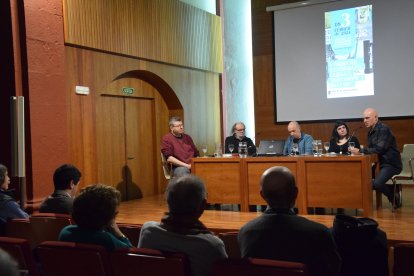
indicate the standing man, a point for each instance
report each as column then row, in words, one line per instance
column 381, row 141
column 238, row 131
column 280, row 234
column 303, row 140
column 178, row 147
column 66, row 180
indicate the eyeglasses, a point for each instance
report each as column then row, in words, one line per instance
column 242, row 129
column 180, row 125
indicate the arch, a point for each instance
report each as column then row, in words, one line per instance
column 165, row 90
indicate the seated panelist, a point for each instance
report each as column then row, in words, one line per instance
column 178, row 147
column 303, row 140
column 340, row 139
column 238, row 132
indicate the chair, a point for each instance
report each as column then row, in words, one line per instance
column 262, row 267
column 20, row 250
column 39, row 227
column 47, row 226
column 132, row 231
column 407, row 173
column 69, row 258
column 142, row 261
column 166, row 167
column 231, row 243
column 403, row 259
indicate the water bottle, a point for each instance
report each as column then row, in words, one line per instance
column 243, row 149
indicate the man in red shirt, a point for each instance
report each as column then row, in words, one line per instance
column 178, row 147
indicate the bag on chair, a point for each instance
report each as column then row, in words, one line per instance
column 362, row 246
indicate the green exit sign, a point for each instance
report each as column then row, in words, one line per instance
column 128, row 90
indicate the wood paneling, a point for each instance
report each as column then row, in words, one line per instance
column 263, row 77
column 164, row 31
column 191, row 94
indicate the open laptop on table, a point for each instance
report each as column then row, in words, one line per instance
column 271, row 148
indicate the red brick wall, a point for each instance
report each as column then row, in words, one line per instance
column 46, row 101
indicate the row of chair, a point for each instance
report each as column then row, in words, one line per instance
column 68, row 258
column 47, row 226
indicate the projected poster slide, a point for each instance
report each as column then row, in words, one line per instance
column 348, row 46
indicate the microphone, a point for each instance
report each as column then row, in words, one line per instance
column 354, row 132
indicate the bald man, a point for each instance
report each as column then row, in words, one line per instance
column 303, row 140
column 381, row 141
column 281, row 235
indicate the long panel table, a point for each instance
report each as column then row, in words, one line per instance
column 327, row 181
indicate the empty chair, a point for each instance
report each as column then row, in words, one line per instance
column 69, row 258
column 142, row 261
column 166, row 167
column 47, row 226
column 231, row 244
column 132, row 231
column 18, row 228
column 403, row 259
column 407, row 173
column 20, row 250
column 262, row 267
column 38, row 228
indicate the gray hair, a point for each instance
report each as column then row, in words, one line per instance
column 185, row 194
column 233, row 128
column 174, row 120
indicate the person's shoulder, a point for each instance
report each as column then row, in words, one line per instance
column 256, row 222
column 150, row 225
column 167, row 136
column 307, row 136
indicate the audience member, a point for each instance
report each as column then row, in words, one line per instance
column 238, row 134
column 303, row 140
column 178, row 147
column 66, row 180
column 340, row 139
column 381, row 141
column 9, row 208
column 281, row 235
column 94, row 211
column 8, row 266
column 181, row 230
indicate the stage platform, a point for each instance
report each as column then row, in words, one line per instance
column 399, row 225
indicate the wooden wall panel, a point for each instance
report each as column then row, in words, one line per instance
column 263, row 77
column 165, row 31
column 197, row 92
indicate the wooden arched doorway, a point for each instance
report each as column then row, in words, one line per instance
column 132, row 115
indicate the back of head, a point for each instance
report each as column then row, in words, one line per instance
column 3, row 170
column 64, row 175
column 8, row 266
column 186, row 195
column 278, row 187
column 96, row 206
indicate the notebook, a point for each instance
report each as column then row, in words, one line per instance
column 271, row 148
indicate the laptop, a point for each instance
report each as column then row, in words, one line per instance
column 271, row 148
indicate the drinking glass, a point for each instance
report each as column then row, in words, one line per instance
column 326, row 146
column 219, row 150
column 243, row 149
column 295, row 149
column 204, row 149
column 351, row 147
column 231, row 148
column 320, row 149
column 315, row 147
